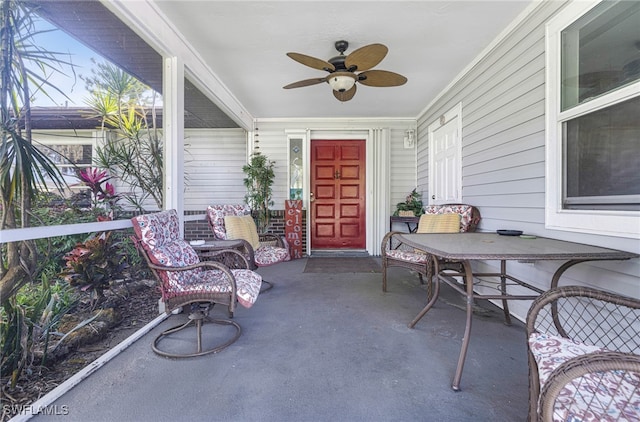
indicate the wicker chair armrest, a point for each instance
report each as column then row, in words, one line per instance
column 615, row 364
column 249, row 253
column 388, row 242
column 269, row 237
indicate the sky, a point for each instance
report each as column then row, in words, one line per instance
column 71, row 84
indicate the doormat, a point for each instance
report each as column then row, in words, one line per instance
column 342, row 265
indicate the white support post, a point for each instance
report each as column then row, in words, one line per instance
column 378, row 177
column 173, row 128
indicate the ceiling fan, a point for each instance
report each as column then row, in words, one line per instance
column 342, row 70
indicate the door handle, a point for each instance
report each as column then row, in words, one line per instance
column 311, row 198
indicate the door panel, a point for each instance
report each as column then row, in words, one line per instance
column 445, row 159
column 338, row 187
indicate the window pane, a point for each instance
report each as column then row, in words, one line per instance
column 68, row 158
column 603, row 158
column 296, row 170
column 70, row 154
column 600, row 52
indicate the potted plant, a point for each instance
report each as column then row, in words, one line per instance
column 411, row 207
column 259, row 180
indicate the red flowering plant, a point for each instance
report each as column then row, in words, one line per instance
column 103, row 194
column 92, row 266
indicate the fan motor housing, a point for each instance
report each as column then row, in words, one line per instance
column 338, row 62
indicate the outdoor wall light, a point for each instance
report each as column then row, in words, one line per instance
column 409, row 139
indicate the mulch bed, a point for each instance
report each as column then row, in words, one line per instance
column 135, row 305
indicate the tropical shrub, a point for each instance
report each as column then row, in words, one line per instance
column 126, row 108
column 29, row 319
column 91, row 266
column 259, row 181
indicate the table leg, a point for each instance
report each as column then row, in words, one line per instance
column 564, row 267
column 468, row 279
column 436, row 292
column 503, row 289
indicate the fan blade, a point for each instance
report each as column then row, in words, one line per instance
column 312, row 62
column 381, row 78
column 366, row 57
column 346, row 95
column 306, row 82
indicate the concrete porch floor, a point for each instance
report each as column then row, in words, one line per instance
column 322, row 347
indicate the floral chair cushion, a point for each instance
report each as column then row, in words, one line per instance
column 216, row 214
column 269, row 255
column 588, row 397
column 175, row 254
column 404, row 255
column 465, row 212
column 247, row 283
column 156, row 229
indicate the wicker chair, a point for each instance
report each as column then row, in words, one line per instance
column 396, row 254
column 185, row 282
column 584, row 362
column 271, row 250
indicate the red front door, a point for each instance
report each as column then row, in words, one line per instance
column 338, row 194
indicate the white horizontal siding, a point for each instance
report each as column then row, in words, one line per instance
column 403, row 169
column 503, row 155
column 213, row 167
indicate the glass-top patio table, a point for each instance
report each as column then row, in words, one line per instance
column 464, row 248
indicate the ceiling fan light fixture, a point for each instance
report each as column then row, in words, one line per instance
column 342, row 70
column 341, row 81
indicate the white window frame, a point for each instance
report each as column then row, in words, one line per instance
column 601, row 222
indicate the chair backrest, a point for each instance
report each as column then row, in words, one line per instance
column 589, row 316
column 469, row 215
column 216, row 214
column 159, row 235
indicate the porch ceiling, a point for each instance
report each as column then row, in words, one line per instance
column 245, row 44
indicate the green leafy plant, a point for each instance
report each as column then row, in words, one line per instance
column 259, row 181
column 132, row 150
column 30, row 318
column 25, row 70
column 94, row 263
column 413, row 203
